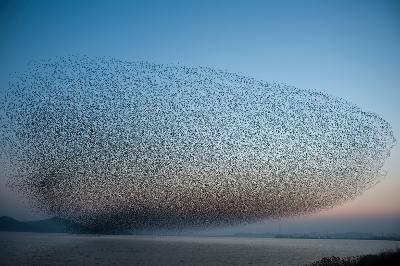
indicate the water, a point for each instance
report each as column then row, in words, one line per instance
column 66, row 249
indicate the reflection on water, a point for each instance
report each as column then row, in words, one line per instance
column 64, row 249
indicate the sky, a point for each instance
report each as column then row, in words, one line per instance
column 348, row 49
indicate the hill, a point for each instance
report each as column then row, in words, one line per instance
column 52, row 225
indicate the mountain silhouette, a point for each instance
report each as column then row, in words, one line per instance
column 13, row 225
column 52, row 225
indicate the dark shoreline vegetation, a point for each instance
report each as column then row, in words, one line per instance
column 58, row 225
column 384, row 258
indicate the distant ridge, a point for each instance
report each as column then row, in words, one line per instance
column 58, row 225
column 346, row 235
column 52, row 225
column 13, row 225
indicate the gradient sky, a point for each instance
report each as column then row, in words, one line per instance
column 349, row 49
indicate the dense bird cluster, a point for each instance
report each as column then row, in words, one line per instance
column 113, row 144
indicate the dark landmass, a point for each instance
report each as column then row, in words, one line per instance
column 384, row 258
column 52, row 225
column 254, row 235
column 12, row 225
column 58, row 225
column 347, row 235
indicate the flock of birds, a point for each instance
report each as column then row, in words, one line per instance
column 116, row 145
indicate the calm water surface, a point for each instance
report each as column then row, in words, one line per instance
column 66, row 249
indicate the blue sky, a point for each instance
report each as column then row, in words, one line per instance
column 348, row 49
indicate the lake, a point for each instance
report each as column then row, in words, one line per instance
column 69, row 249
